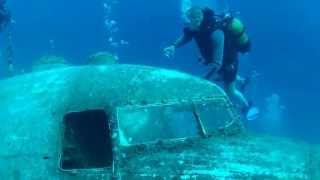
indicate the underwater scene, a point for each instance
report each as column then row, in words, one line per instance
column 170, row 89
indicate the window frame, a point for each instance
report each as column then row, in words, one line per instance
column 102, row 170
column 202, row 130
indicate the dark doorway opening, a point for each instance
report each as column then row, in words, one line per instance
column 87, row 140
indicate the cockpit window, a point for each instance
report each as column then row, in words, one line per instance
column 86, row 142
column 215, row 115
column 143, row 124
column 151, row 123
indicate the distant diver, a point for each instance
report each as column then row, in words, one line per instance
column 220, row 39
column 5, row 16
column 5, row 21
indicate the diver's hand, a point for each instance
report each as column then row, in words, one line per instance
column 169, row 51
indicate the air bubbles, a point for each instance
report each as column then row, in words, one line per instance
column 111, row 26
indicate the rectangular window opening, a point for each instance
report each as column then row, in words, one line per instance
column 86, row 141
column 148, row 124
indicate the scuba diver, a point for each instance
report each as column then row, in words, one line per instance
column 5, row 20
column 220, row 39
column 5, row 16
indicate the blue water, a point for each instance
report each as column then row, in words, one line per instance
column 284, row 35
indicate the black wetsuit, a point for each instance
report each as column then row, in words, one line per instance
column 205, row 42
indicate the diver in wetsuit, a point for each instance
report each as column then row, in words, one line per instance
column 5, row 16
column 219, row 43
column 5, row 20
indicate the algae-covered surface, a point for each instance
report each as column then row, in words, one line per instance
column 32, row 108
column 231, row 157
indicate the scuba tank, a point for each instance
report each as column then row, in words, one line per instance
column 234, row 28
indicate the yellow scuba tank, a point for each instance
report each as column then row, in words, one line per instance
column 235, row 29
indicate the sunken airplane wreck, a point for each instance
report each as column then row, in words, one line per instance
column 134, row 122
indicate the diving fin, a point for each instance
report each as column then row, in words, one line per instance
column 253, row 114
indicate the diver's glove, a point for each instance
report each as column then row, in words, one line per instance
column 169, row 51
